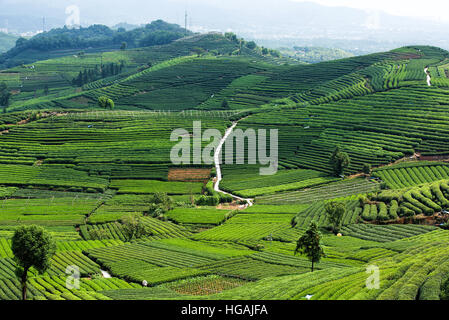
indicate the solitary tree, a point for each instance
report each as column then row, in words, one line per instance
column 367, row 168
column 105, row 103
column 339, row 161
column 309, row 244
column 32, row 246
column 163, row 199
column 198, row 51
column 251, row 45
column 133, row 227
column 5, row 95
column 334, row 213
column 225, row 104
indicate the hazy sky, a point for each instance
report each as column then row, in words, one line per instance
column 435, row 9
column 140, row 11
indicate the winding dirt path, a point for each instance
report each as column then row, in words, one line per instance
column 429, row 78
column 218, row 168
column 105, row 274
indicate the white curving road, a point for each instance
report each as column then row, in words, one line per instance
column 429, row 78
column 218, row 168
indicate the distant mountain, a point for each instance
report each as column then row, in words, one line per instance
column 270, row 23
column 7, row 41
column 288, row 23
column 94, row 37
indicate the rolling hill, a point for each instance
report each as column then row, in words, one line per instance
column 96, row 38
column 7, row 41
column 81, row 170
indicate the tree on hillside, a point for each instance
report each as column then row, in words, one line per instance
column 339, row 161
column 251, row 45
column 32, row 246
column 160, row 204
column 5, row 95
column 367, row 168
column 198, row 51
column 123, row 46
column 275, row 53
column 334, row 213
column 133, row 227
column 225, row 104
column 231, row 36
column 309, row 245
column 105, row 103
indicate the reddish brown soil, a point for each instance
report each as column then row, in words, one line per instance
column 189, row 174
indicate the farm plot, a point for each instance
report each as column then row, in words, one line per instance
column 118, row 206
column 155, row 229
column 247, row 182
column 285, row 287
column 153, row 186
column 385, row 233
column 412, row 174
column 249, row 269
column 199, row 215
column 247, row 227
column 276, row 209
column 204, row 285
column 317, row 213
column 335, row 190
column 58, row 232
column 57, row 211
column 155, row 254
column 426, row 199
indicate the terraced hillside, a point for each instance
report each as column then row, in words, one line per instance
column 83, row 172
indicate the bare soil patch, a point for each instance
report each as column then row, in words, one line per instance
column 189, row 174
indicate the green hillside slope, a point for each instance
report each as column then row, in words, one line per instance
column 82, row 171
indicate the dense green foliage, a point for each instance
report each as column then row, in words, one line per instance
column 96, row 36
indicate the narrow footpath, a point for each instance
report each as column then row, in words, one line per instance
column 429, row 78
column 218, row 168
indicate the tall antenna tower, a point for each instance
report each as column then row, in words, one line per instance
column 43, row 24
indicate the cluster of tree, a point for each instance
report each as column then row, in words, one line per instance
column 251, row 45
column 317, row 54
column 156, row 33
column 98, row 36
column 5, row 95
column 93, row 74
column 271, row 52
column 160, row 204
